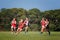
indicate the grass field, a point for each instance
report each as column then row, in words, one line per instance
column 30, row 36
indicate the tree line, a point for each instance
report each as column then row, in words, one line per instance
column 35, row 15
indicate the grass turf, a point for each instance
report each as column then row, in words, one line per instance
column 30, row 36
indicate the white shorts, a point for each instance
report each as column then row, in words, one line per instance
column 13, row 27
column 43, row 26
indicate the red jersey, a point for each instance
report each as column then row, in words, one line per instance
column 13, row 23
column 21, row 25
column 43, row 22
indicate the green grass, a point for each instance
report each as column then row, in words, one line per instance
column 30, row 36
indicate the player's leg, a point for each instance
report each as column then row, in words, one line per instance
column 11, row 28
column 26, row 29
column 19, row 30
column 15, row 29
column 42, row 30
column 48, row 30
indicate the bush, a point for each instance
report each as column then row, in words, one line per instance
column 7, row 27
column 34, row 27
column 57, row 28
column 52, row 27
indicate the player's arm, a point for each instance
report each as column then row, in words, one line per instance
column 15, row 22
column 41, row 22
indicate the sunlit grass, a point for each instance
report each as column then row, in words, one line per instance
column 29, row 36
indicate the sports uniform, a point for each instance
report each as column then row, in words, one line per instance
column 21, row 25
column 13, row 24
column 43, row 25
column 47, row 26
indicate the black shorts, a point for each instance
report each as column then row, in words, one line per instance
column 47, row 27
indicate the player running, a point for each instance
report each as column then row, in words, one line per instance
column 47, row 26
column 13, row 25
column 26, row 24
column 20, row 26
column 43, row 25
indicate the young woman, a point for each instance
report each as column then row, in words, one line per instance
column 43, row 25
column 26, row 24
column 20, row 26
column 13, row 25
column 47, row 26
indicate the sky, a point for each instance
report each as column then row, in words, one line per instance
column 42, row 5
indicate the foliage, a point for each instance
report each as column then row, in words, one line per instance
column 34, row 15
